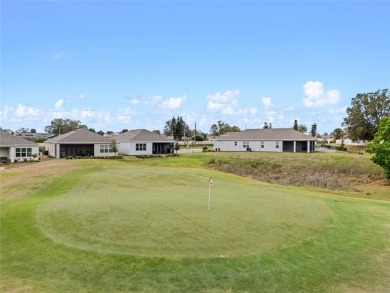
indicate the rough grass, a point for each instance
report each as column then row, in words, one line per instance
column 345, row 173
column 19, row 179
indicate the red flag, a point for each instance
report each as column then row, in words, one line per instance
column 210, row 181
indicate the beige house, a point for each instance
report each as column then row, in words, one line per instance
column 80, row 142
column 265, row 140
column 13, row 148
column 143, row 142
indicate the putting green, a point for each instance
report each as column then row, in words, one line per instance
column 162, row 212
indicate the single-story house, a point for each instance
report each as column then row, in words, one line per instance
column 143, row 142
column 13, row 148
column 265, row 140
column 80, row 142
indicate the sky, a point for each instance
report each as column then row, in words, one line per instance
column 117, row 65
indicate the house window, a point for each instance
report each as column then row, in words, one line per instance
column 245, row 144
column 105, row 148
column 140, row 146
column 262, row 144
column 277, row 144
column 23, row 152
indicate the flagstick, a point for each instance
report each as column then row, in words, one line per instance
column 208, row 207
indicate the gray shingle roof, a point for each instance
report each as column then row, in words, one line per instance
column 8, row 140
column 267, row 134
column 141, row 135
column 79, row 136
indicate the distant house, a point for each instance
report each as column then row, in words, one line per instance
column 33, row 136
column 143, row 142
column 13, row 148
column 265, row 140
column 326, row 138
column 81, row 142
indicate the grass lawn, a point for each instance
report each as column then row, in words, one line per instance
column 107, row 226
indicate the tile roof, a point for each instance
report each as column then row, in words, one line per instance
column 8, row 140
column 79, row 136
column 267, row 134
column 141, row 135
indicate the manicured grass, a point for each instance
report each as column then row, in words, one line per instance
column 163, row 212
column 120, row 227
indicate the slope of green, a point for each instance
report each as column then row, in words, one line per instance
column 164, row 212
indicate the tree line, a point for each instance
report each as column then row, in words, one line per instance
column 368, row 119
column 361, row 123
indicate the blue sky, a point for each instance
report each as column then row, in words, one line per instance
column 132, row 64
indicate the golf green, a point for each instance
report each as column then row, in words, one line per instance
column 163, row 212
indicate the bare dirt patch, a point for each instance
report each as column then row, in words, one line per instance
column 23, row 178
column 11, row 284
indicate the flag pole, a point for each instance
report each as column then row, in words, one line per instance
column 208, row 207
column 210, row 183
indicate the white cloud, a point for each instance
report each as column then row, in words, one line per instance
column 159, row 103
column 227, row 103
column 272, row 112
column 6, row 112
column 252, row 111
column 58, row 104
column 59, row 55
column 267, row 102
column 273, row 115
column 173, row 103
column 87, row 113
column 223, row 102
column 152, row 101
column 316, row 96
column 124, row 115
column 135, row 102
column 25, row 111
column 290, row 109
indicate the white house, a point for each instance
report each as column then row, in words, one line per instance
column 13, row 148
column 265, row 140
column 143, row 142
column 80, row 142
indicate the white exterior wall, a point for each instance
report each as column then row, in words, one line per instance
column 123, row 148
column 12, row 153
column 269, row 146
column 97, row 153
column 149, row 149
column 229, row 146
column 129, row 149
column 51, row 149
column 254, row 145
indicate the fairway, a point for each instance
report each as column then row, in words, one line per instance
column 162, row 212
column 123, row 226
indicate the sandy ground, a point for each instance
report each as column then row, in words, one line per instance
column 19, row 179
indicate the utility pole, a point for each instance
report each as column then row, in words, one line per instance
column 195, row 134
